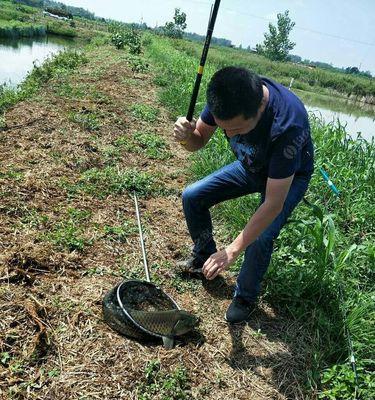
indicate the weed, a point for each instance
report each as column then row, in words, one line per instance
column 68, row 234
column 340, row 383
column 111, row 181
column 138, row 64
column 124, row 142
column 87, row 119
column 68, row 90
column 12, row 174
column 111, row 155
column 33, row 219
column 144, row 112
column 171, row 386
column 119, row 233
column 53, row 373
column 152, row 145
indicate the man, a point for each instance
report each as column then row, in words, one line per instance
column 268, row 130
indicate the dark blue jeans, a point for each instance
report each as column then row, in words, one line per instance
column 230, row 182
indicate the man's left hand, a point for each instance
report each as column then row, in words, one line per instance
column 218, row 262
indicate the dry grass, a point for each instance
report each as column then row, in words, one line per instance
column 54, row 343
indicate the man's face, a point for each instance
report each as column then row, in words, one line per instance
column 238, row 125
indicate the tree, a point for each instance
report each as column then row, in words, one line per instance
column 352, row 70
column 276, row 45
column 176, row 29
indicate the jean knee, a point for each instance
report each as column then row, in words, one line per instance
column 189, row 195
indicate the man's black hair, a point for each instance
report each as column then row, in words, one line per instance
column 234, row 91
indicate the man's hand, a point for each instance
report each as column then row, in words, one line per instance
column 218, row 262
column 183, row 129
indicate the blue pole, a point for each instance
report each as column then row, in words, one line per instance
column 329, row 182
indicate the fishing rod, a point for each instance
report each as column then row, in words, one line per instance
column 198, row 79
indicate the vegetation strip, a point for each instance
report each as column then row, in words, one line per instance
column 344, row 249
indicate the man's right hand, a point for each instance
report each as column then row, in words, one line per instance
column 183, row 129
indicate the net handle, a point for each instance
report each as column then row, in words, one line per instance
column 141, row 238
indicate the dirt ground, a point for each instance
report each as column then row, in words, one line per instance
column 54, row 343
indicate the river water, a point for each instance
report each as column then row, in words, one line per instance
column 17, row 58
column 358, row 118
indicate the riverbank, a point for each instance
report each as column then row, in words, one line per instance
column 18, row 20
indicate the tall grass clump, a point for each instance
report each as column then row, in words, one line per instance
column 16, row 29
column 61, row 29
column 322, row 271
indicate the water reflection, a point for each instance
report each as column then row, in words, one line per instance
column 17, row 55
column 357, row 117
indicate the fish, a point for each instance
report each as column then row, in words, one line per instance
column 165, row 323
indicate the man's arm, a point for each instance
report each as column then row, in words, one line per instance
column 193, row 137
column 276, row 192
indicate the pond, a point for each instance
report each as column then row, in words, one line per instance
column 357, row 117
column 18, row 55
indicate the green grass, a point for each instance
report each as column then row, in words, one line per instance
column 327, row 246
column 316, row 80
column 17, row 29
column 61, row 29
column 87, row 119
column 168, row 386
column 68, row 234
column 110, row 180
column 10, row 11
column 144, row 112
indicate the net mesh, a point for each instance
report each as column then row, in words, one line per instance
column 135, row 296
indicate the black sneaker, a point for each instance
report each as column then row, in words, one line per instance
column 192, row 266
column 239, row 311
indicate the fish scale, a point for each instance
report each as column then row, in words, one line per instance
column 165, row 323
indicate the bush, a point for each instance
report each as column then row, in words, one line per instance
column 122, row 37
column 138, row 64
column 60, row 28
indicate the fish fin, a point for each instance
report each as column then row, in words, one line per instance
column 168, row 342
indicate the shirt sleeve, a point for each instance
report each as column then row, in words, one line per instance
column 286, row 152
column 207, row 117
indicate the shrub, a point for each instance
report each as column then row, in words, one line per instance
column 122, row 37
column 138, row 64
column 61, row 28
